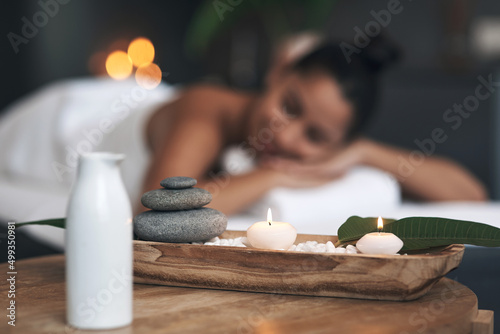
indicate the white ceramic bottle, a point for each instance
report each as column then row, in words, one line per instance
column 99, row 246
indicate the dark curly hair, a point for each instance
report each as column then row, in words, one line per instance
column 357, row 74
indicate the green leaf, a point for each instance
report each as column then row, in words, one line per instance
column 424, row 232
column 213, row 17
column 57, row 222
column 202, row 28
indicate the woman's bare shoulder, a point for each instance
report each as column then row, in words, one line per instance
column 211, row 95
column 206, row 103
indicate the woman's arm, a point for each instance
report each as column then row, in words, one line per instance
column 189, row 141
column 424, row 177
column 231, row 194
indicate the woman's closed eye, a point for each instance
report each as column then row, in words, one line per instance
column 291, row 107
column 315, row 135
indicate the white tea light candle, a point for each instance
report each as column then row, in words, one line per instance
column 271, row 235
column 379, row 242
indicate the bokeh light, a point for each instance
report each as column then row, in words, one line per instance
column 141, row 51
column 148, row 76
column 118, row 65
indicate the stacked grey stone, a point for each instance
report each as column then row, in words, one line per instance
column 177, row 213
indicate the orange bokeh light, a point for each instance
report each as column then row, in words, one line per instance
column 141, row 51
column 118, row 65
column 148, row 76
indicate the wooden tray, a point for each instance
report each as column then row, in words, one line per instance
column 380, row 277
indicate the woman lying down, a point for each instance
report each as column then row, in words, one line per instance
column 302, row 131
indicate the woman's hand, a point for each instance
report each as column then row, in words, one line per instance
column 287, row 179
column 328, row 169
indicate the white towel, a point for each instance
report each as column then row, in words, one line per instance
column 42, row 134
column 363, row 191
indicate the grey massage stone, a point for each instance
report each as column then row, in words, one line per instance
column 181, row 226
column 176, row 199
column 178, row 182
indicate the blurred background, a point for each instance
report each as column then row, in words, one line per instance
column 447, row 44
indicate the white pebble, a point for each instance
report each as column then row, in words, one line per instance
column 321, row 248
column 330, row 248
column 308, row 248
column 340, row 250
column 350, row 249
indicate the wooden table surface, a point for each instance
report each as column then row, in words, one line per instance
column 449, row 307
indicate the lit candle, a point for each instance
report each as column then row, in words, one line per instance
column 379, row 242
column 271, row 235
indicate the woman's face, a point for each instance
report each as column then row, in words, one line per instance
column 301, row 116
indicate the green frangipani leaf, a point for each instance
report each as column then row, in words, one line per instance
column 424, row 232
column 56, row 222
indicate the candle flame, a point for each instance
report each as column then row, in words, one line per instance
column 269, row 216
column 380, row 224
